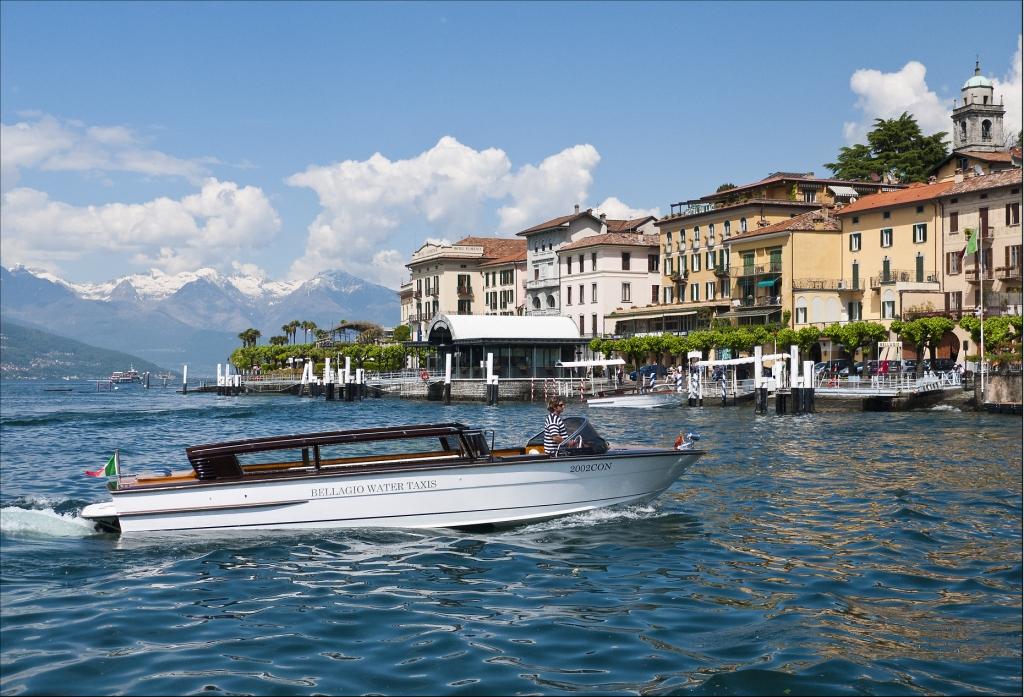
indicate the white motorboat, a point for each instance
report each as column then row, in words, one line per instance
column 660, row 396
column 424, row 476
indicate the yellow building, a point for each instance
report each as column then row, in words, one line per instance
column 695, row 260
column 991, row 204
column 790, row 267
column 893, row 242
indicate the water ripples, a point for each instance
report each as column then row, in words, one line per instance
column 840, row 553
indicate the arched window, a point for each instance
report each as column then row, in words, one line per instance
column 963, row 130
column 551, row 301
column 986, row 130
column 743, row 224
column 801, row 311
column 888, row 305
column 536, row 303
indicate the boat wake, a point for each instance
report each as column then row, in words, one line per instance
column 598, row 516
column 43, row 522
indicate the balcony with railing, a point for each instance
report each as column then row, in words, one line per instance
column 894, row 276
column 464, row 290
column 760, row 302
column 540, row 283
column 972, row 274
column 1008, row 273
column 679, row 275
column 721, row 271
column 1001, row 303
column 759, row 270
column 838, row 284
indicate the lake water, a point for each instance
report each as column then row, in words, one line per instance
column 834, row 553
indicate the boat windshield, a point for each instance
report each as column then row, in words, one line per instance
column 578, row 426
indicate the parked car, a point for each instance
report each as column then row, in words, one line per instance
column 940, row 365
column 909, row 366
column 645, row 371
column 875, row 367
column 837, row 366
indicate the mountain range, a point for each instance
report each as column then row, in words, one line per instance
column 193, row 318
column 27, row 353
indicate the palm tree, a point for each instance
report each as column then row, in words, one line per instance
column 286, row 329
column 293, row 329
column 249, row 337
column 307, row 328
column 278, row 340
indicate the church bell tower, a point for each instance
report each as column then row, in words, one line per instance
column 978, row 122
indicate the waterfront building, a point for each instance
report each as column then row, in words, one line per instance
column 791, row 267
column 447, row 278
column 606, row 273
column 503, row 279
column 991, row 204
column 979, row 145
column 522, row 347
column 543, row 286
column 696, row 263
column 893, row 242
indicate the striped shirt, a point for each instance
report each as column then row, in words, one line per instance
column 553, row 426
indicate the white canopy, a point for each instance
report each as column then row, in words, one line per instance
column 590, row 364
column 475, row 327
column 743, row 361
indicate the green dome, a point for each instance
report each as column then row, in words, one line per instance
column 977, row 81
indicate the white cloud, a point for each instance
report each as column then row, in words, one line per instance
column 1010, row 88
column 44, row 142
column 617, row 210
column 887, row 95
column 206, row 228
column 376, row 211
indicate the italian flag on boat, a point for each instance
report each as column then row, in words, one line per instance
column 108, row 470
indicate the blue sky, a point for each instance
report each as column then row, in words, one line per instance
column 285, row 139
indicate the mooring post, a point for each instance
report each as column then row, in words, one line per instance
column 489, row 366
column 184, row 379
column 447, row 378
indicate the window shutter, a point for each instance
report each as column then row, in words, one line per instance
column 1007, row 213
column 881, row 238
column 924, row 232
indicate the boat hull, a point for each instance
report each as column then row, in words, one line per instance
column 494, row 493
column 651, row 400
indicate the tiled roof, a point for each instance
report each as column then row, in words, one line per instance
column 820, row 219
column 789, row 176
column 507, row 259
column 558, row 222
column 987, row 156
column 627, row 225
column 890, row 199
column 1007, row 177
column 620, row 239
column 496, row 247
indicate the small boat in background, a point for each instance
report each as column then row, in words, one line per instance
column 131, row 375
column 660, row 396
column 423, row 476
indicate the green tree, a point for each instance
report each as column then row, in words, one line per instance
column 725, row 187
column 894, row 146
column 402, row 332
column 278, row 340
column 857, row 335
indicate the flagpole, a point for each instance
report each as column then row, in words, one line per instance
column 981, row 295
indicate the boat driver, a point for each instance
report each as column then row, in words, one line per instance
column 554, row 428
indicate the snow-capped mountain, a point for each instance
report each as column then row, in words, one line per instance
column 170, row 319
column 157, row 285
